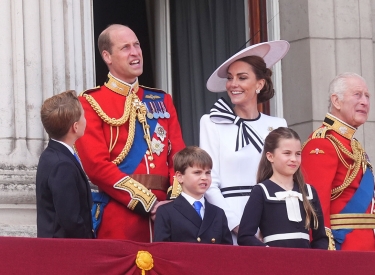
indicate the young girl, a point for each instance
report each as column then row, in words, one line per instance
column 282, row 205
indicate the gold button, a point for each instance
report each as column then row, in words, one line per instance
column 213, row 240
column 199, row 240
column 150, row 158
column 147, row 152
column 152, row 165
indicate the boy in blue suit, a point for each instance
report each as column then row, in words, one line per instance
column 63, row 195
column 191, row 218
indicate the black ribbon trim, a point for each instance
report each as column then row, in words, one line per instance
column 236, row 195
column 221, row 109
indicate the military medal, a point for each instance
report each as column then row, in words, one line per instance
column 156, row 146
column 160, row 111
column 162, row 106
column 160, row 132
column 154, row 112
column 149, row 114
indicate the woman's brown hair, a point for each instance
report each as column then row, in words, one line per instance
column 261, row 72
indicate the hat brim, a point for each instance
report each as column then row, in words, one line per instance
column 271, row 52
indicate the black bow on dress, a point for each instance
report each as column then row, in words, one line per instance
column 222, row 112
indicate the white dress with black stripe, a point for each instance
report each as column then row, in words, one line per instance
column 234, row 172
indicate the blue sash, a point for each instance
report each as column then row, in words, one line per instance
column 139, row 147
column 357, row 204
column 131, row 161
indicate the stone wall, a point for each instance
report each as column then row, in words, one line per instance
column 47, row 48
column 327, row 37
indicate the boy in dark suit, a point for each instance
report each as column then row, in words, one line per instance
column 63, row 195
column 191, row 218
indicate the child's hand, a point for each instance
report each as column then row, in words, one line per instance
column 155, row 207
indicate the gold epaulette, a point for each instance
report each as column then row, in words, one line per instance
column 320, row 133
column 138, row 192
column 174, row 190
column 89, row 90
column 152, row 89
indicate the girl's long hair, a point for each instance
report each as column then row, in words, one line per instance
column 265, row 169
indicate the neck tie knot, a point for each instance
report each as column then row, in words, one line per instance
column 197, row 206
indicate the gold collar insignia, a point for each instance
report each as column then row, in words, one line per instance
column 120, row 87
column 340, row 127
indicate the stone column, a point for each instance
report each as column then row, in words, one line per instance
column 47, row 47
column 327, row 37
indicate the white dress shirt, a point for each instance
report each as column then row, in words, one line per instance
column 191, row 200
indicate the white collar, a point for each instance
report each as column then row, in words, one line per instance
column 191, row 200
column 66, row 145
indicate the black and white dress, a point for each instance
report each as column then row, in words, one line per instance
column 235, row 146
column 280, row 216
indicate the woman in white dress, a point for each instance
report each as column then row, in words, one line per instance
column 234, row 136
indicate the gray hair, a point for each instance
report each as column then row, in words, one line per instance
column 338, row 86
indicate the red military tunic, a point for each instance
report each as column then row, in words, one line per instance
column 126, row 215
column 323, row 168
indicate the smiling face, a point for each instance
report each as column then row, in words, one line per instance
column 242, row 83
column 286, row 158
column 125, row 60
column 195, row 181
column 354, row 106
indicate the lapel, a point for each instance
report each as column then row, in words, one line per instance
column 187, row 210
column 209, row 216
column 62, row 149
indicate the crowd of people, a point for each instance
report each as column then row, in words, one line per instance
column 250, row 182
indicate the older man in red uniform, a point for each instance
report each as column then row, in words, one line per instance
column 335, row 163
column 131, row 136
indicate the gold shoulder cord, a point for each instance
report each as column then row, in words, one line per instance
column 358, row 159
column 357, row 156
column 133, row 109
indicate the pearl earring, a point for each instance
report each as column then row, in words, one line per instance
column 257, row 91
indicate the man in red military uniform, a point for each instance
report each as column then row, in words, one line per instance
column 131, row 136
column 334, row 162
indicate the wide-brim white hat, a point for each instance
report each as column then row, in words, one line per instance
column 271, row 52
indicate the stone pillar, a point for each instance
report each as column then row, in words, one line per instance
column 47, row 48
column 327, row 37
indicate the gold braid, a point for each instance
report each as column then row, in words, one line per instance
column 142, row 111
column 129, row 140
column 133, row 109
column 356, row 156
column 111, row 121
